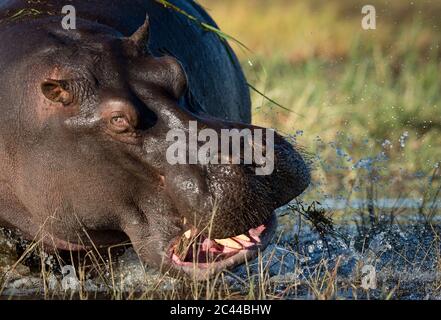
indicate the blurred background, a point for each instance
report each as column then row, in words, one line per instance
column 364, row 103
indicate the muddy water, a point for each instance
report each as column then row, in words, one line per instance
column 376, row 260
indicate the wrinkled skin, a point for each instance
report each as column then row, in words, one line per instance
column 85, row 115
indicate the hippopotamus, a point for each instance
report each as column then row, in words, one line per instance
column 83, row 135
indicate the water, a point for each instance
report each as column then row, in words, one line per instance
column 384, row 203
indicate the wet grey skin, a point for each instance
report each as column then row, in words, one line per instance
column 85, row 115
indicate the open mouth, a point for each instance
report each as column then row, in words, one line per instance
column 195, row 253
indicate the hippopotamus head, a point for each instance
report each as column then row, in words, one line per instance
column 93, row 157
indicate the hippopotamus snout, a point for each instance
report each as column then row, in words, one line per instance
column 224, row 210
column 220, row 197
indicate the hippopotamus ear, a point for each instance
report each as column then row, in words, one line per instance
column 57, row 91
column 137, row 43
column 167, row 71
column 174, row 75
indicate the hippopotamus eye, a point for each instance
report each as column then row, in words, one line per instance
column 119, row 121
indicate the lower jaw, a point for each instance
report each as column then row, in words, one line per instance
column 204, row 271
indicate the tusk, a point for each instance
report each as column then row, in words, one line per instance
column 243, row 238
column 230, row 243
column 187, row 234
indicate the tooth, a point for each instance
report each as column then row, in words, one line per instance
column 185, row 221
column 243, row 238
column 187, row 234
column 230, row 243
